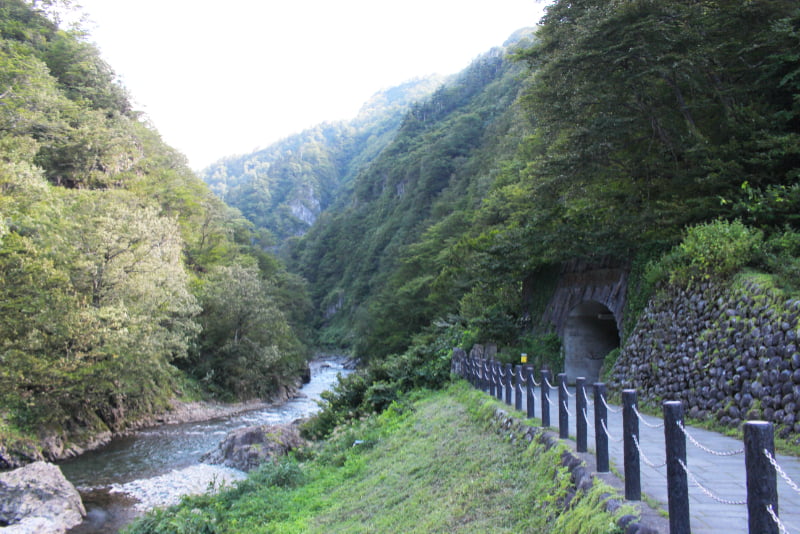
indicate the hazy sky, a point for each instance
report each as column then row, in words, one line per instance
column 222, row 78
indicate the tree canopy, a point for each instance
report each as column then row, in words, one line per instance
column 110, row 250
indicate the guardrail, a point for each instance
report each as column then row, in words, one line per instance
column 761, row 468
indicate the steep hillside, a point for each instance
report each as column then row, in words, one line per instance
column 371, row 262
column 631, row 122
column 284, row 188
column 121, row 275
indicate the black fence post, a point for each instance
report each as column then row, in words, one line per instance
column 563, row 415
column 580, row 415
column 762, row 482
column 487, row 375
column 630, row 428
column 471, row 371
column 495, row 379
column 498, row 373
column 508, row 373
column 529, row 400
column 545, row 398
column 600, row 436
column 518, row 388
column 677, row 478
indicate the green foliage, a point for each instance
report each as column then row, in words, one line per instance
column 108, row 247
column 782, row 257
column 641, row 286
column 608, row 363
column 649, row 112
column 246, row 348
column 543, row 350
column 717, row 249
column 426, row 364
column 407, row 212
column 283, row 189
column 431, row 466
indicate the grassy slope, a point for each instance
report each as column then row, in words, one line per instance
column 433, row 465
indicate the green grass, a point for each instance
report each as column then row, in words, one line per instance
column 435, row 464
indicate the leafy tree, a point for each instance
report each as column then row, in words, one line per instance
column 31, row 102
column 247, row 348
column 108, row 244
column 650, row 113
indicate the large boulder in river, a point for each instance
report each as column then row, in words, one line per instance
column 247, row 448
column 38, row 499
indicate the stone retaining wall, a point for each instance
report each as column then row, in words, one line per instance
column 728, row 351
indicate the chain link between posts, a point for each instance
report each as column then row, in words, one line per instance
column 706, row 490
column 781, row 472
column 586, row 398
column 774, row 516
column 644, row 458
column 645, row 423
column 609, row 408
column 703, row 447
column 608, row 434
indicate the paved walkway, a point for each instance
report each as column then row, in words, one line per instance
column 723, row 476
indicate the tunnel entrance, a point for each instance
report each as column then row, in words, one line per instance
column 590, row 332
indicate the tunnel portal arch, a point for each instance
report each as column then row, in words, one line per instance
column 590, row 332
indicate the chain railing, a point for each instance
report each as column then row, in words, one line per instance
column 645, row 423
column 760, row 463
column 706, row 449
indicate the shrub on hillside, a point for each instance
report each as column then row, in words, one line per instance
column 426, row 365
column 716, row 249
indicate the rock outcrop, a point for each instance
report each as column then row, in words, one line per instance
column 37, row 498
column 247, row 448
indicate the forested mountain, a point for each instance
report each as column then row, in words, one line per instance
column 283, row 188
column 662, row 137
column 602, row 137
column 371, row 263
column 122, row 277
column 621, row 126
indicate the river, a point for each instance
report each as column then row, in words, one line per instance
column 156, row 466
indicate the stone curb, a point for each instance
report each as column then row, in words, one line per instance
column 582, row 476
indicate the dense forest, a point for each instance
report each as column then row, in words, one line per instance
column 408, row 206
column 620, row 125
column 283, row 188
column 609, row 134
column 124, row 282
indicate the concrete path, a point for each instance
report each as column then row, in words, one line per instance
column 722, row 476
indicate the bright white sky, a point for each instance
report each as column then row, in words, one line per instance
column 223, row 78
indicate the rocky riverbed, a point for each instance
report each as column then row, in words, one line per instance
column 156, row 466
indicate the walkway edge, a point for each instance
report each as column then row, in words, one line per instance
column 582, row 469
